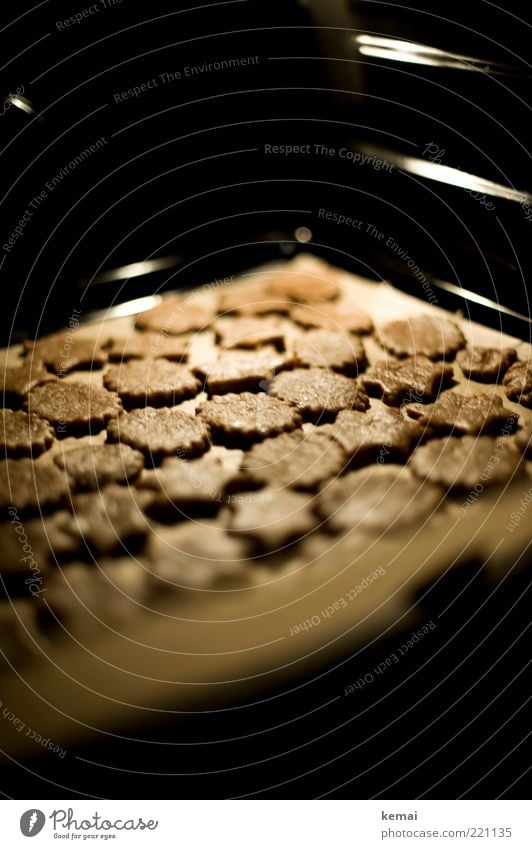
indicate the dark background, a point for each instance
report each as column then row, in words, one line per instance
column 184, row 174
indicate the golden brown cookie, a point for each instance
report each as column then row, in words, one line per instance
column 377, row 499
column 273, row 517
column 460, row 414
column 467, row 462
column 23, row 435
column 149, row 345
column 300, row 459
column 430, row 336
column 337, row 316
column 18, row 380
column 518, row 383
column 488, row 365
column 106, row 521
column 319, row 394
column 67, row 351
column 185, row 486
column 251, row 300
column 248, row 417
column 241, row 371
column 177, row 314
column 32, row 486
column 94, row 466
column 330, row 350
column 414, row 380
column 151, row 383
column 380, row 434
column 160, row 432
column 306, row 287
column 72, row 407
column 242, row 332
column 195, row 555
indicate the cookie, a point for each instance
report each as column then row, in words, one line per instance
column 487, row 365
column 379, row 434
column 149, row 345
column 304, row 287
column 461, row 414
column 82, row 595
column 106, row 521
column 29, row 548
column 300, row 459
column 377, row 499
column 248, row 417
column 337, row 316
column 249, row 332
column 185, row 485
column 318, row 393
column 24, row 435
column 241, row 371
column 417, row 379
column 151, row 383
column 518, row 383
column 72, row 407
column 430, row 336
column 177, row 314
column 251, row 300
column 273, row 517
column 127, row 577
column 67, row 351
column 18, row 380
column 32, row 486
column 467, row 462
column 330, row 350
column 94, row 466
column 160, row 432
column 195, row 555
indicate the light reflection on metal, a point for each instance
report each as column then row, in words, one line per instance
column 468, row 295
column 448, row 175
column 20, row 103
column 397, row 50
column 134, row 269
column 127, row 308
